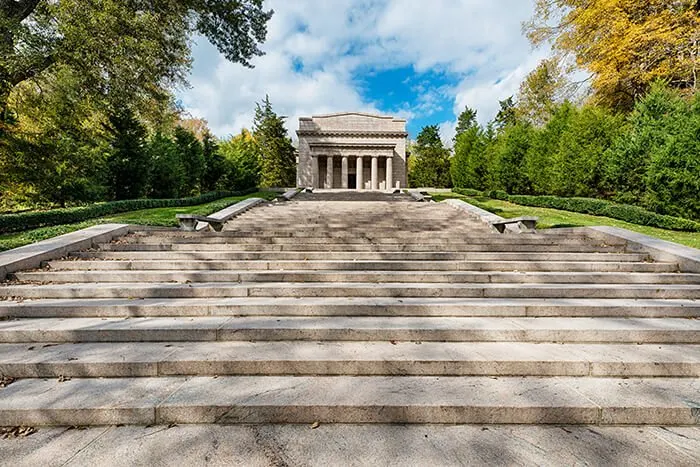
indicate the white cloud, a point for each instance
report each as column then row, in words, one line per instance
column 337, row 41
column 483, row 95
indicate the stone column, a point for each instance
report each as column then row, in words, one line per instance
column 389, row 172
column 359, row 179
column 344, row 172
column 329, row 172
column 375, row 173
column 314, row 172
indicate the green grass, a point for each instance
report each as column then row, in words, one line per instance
column 157, row 217
column 553, row 218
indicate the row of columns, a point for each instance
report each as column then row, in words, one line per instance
column 359, row 180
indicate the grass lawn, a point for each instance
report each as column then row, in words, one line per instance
column 552, row 218
column 156, row 216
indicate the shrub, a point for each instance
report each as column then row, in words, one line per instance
column 599, row 207
column 32, row 220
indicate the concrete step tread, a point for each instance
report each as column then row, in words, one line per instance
column 384, row 265
column 544, row 329
column 347, row 358
column 358, row 445
column 392, row 399
column 344, row 275
column 347, row 289
column 471, row 248
column 349, row 306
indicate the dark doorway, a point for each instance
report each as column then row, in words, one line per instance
column 352, row 181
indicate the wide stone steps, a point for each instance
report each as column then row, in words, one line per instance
column 433, row 274
column 351, row 399
column 348, row 312
column 345, row 306
column 454, row 329
column 348, row 358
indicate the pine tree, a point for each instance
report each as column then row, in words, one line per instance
column 278, row 155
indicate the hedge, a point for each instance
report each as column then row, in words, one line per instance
column 595, row 207
column 31, row 220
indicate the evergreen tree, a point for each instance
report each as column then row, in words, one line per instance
column 278, row 155
column 192, row 158
column 128, row 163
column 167, row 172
column 465, row 121
column 214, row 162
column 506, row 114
column 431, row 164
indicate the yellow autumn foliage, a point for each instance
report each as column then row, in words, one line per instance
column 625, row 44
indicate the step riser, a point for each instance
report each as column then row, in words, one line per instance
column 221, row 292
column 494, row 250
column 200, row 265
column 28, row 311
column 364, row 240
column 389, row 277
column 466, row 252
column 423, row 335
column 348, row 368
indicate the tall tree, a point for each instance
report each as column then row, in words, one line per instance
column 192, row 157
column 506, row 114
column 133, row 47
column 431, row 164
column 278, row 155
column 626, row 44
column 465, row 121
column 541, row 92
column 129, row 162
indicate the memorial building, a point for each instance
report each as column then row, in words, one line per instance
column 352, row 150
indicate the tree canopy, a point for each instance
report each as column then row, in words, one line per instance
column 625, row 44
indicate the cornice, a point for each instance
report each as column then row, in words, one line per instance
column 354, row 133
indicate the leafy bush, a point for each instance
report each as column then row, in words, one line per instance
column 32, row 220
column 599, row 207
column 467, row 191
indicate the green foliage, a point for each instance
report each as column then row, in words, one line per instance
column 192, row 158
column 129, row 164
column 277, row 154
column 508, row 163
column 34, row 219
column 600, row 207
column 650, row 158
column 465, row 121
column 431, row 160
column 673, row 176
column 579, row 163
column 241, row 154
column 167, row 171
column 214, row 163
column 542, row 153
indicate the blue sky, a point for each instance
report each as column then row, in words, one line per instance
column 423, row 61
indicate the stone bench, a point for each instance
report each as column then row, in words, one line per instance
column 188, row 222
column 287, row 195
column 420, row 196
column 192, row 222
column 528, row 222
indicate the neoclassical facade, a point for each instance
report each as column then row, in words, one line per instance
column 352, row 150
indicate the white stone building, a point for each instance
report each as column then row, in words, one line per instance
column 352, row 150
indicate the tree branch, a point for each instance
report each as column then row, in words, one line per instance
column 18, row 10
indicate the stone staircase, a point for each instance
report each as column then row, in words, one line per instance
column 382, row 311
